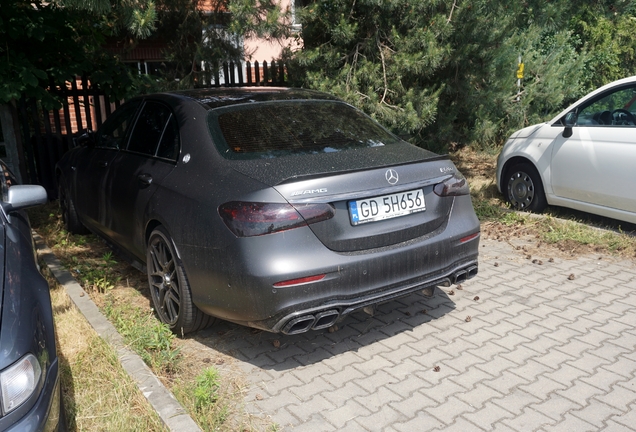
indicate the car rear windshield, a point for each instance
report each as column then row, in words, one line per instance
column 275, row 129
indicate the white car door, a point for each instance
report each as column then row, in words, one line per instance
column 596, row 165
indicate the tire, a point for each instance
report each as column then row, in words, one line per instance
column 70, row 218
column 169, row 287
column 524, row 189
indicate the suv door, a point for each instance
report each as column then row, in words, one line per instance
column 138, row 172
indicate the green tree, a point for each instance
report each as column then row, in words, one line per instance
column 381, row 56
column 212, row 34
column 45, row 43
column 444, row 72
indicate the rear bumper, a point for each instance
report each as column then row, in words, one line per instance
column 328, row 313
column 239, row 287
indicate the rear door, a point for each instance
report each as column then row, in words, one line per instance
column 138, row 172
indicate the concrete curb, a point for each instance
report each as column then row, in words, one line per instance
column 164, row 403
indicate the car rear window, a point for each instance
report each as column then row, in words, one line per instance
column 275, row 129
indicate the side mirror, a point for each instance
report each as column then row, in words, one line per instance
column 24, row 196
column 85, row 137
column 569, row 121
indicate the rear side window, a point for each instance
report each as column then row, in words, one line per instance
column 155, row 132
column 275, row 129
column 113, row 132
column 169, row 145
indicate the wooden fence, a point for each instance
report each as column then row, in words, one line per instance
column 48, row 134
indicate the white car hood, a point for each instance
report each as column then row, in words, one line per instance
column 526, row 132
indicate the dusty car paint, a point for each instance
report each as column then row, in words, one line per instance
column 290, row 280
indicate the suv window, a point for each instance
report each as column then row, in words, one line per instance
column 274, row 129
column 113, row 132
column 153, row 125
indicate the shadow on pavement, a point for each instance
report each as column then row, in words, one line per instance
column 281, row 352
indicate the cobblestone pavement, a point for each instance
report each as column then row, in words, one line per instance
column 544, row 345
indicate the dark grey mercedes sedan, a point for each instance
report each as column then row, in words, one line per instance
column 280, row 209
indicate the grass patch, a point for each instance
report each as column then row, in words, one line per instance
column 559, row 232
column 204, row 397
column 98, row 394
column 144, row 334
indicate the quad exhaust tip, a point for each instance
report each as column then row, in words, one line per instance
column 464, row 275
column 305, row 323
column 326, row 319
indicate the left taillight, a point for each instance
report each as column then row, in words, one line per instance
column 248, row 219
column 454, row 186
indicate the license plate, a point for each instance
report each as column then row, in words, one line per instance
column 386, row 206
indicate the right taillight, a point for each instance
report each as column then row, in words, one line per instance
column 454, row 186
column 248, row 219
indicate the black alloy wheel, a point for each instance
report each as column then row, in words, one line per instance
column 70, row 218
column 524, row 189
column 169, row 286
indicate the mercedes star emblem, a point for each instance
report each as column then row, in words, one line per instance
column 391, row 176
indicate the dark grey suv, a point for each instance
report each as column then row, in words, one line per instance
column 280, row 209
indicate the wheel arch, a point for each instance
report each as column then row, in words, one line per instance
column 151, row 225
column 517, row 160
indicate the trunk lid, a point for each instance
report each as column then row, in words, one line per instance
column 386, row 186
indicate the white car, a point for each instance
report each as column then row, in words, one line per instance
column 584, row 158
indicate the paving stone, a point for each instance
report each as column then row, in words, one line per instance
column 515, row 401
column 447, row 411
column 307, row 391
column 571, row 423
column 338, row 379
column 580, row 392
column 596, row 413
column 377, row 400
column 314, row 424
column 380, row 420
column 470, row 377
column 308, row 408
column 542, row 387
column 539, row 353
column 422, row 422
column 479, row 395
column 619, row 397
column 411, row 405
column 588, row 362
column 281, row 381
column 529, row 420
column 487, row 416
column 345, row 413
column 555, row 407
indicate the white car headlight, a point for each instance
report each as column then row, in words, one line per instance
column 19, row 381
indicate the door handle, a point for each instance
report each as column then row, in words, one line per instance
column 145, row 178
column 102, row 164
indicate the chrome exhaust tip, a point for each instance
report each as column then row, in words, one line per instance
column 325, row 319
column 299, row 325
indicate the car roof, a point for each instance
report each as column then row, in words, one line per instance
column 220, row 97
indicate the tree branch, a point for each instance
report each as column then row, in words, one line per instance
column 386, row 85
column 451, row 12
